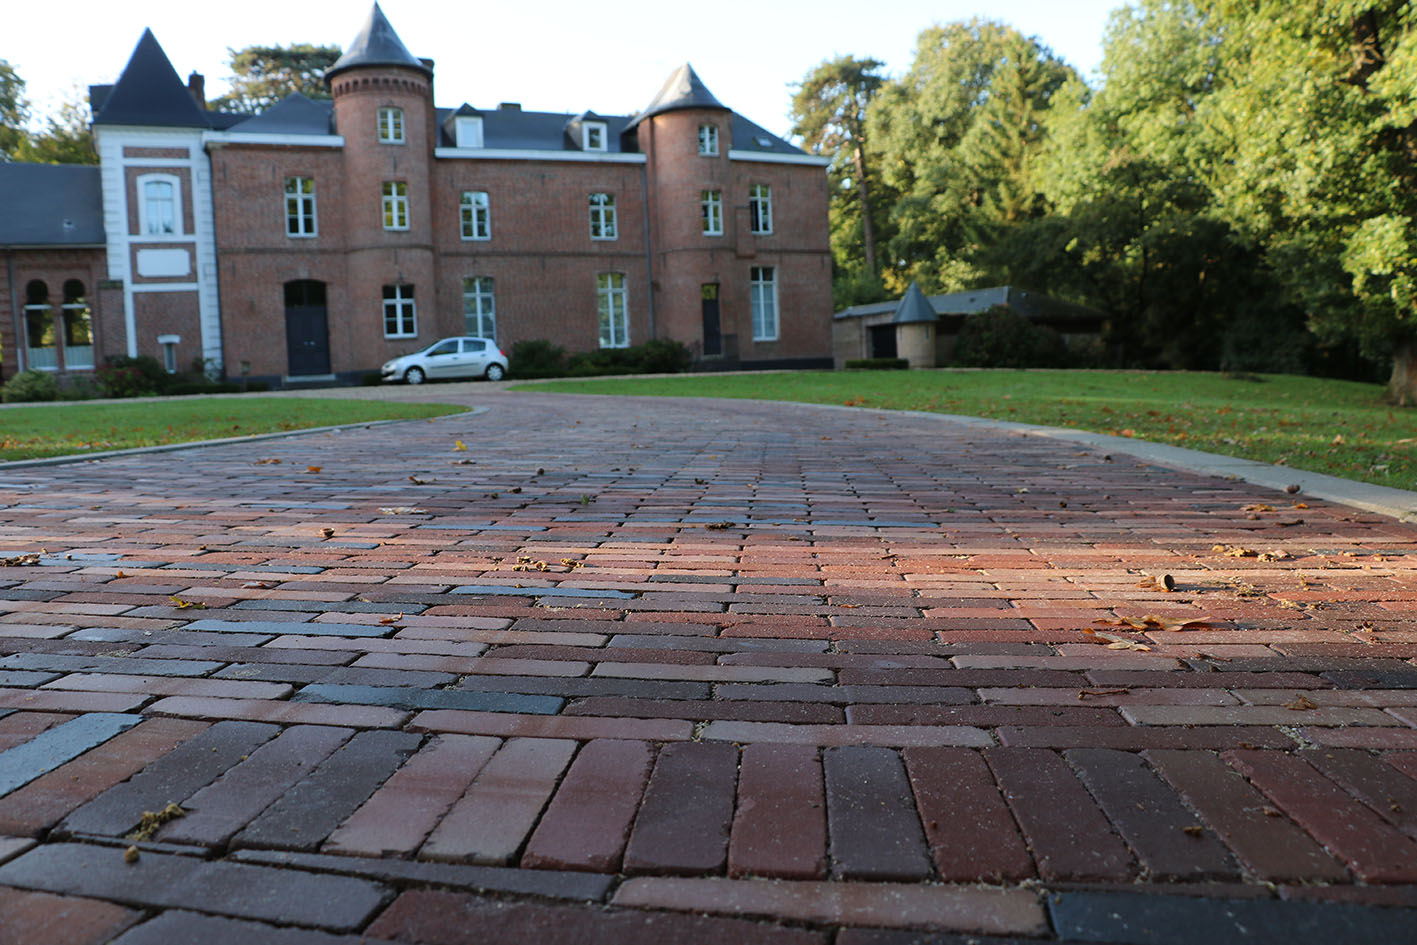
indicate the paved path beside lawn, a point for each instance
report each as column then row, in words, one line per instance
column 591, row 670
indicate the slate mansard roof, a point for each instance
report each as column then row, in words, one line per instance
column 54, row 205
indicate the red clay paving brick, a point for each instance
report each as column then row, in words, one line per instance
column 971, row 834
column 442, row 918
column 400, row 814
column 1375, row 851
column 38, row 918
column 19, row 727
column 1367, row 777
column 1078, row 846
column 683, row 822
column 492, row 819
column 779, row 828
column 1256, row 831
column 588, row 821
column 176, row 926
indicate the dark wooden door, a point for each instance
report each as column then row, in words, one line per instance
column 307, row 336
column 713, row 330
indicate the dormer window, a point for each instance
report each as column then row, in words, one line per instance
column 708, row 140
column 468, row 130
column 391, row 125
column 593, row 136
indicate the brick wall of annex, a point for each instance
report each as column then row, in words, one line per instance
column 54, row 267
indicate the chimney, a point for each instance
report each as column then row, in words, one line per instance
column 510, row 107
column 197, row 85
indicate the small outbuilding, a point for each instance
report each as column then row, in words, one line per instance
column 923, row 329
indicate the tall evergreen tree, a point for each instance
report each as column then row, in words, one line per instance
column 263, row 75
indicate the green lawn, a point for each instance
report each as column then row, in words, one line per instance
column 1337, row 427
column 30, row 432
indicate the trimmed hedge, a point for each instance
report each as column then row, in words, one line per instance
column 1001, row 338
column 540, row 358
column 29, row 387
column 876, row 364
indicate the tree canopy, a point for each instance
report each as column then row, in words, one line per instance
column 263, row 75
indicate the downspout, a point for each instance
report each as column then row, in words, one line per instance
column 649, row 243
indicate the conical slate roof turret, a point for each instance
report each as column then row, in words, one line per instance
column 376, row 45
column 683, row 89
column 150, row 93
column 914, row 307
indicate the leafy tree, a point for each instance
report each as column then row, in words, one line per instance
column 263, row 75
column 829, row 112
column 959, row 136
column 66, row 138
column 14, row 111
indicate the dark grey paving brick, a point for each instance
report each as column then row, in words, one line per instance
column 172, row 778
column 361, row 676
column 310, row 810
column 341, row 903
column 124, row 665
column 176, row 926
column 53, row 747
column 1184, row 920
column 505, row 590
column 328, row 607
column 404, row 698
column 178, row 637
column 874, row 829
column 580, row 686
column 291, row 627
column 25, row 677
column 550, row 884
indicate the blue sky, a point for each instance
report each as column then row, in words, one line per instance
column 551, row 55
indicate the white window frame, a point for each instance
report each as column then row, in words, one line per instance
column 390, row 119
column 41, row 357
column 476, row 215
column 76, row 357
column 708, row 140
column 612, row 309
column 479, row 307
column 760, row 209
column 300, row 219
column 591, row 129
column 146, row 220
column 468, row 131
column 395, row 205
column 711, row 212
column 168, row 344
column 762, row 294
column 401, row 309
column 603, row 224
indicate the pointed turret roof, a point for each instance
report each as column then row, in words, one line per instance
column 683, row 89
column 149, row 92
column 914, row 307
column 376, row 45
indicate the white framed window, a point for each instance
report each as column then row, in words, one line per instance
column 400, row 314
column 594, row 136
column 602, row 217
column 395, row 205
column 468, row 130
column 762, row 289
column 300, row 206
column 168, row 344
column 391, row 125
column 159, row 205
column 41, row 343
column 78, row 327
column 708, row 140
column 711, row 210
column 760, row 208
column 479, row 307
column 613, row 311
column 476, row 215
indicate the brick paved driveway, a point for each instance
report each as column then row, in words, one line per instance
column 672, row 671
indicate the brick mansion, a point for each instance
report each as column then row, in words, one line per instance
column 311, row 242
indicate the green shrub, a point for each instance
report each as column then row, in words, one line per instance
column 184, row 386
column 370, row 379
column 662, row 356
column 132, row 377
column 1000, row 338
column 876, row 364
column 536, row 358
column 79, row 387
column 29, row 387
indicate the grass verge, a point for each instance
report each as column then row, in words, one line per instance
column 1337, row 427
column 34, row 432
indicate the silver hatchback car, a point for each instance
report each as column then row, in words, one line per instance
column 450, row 357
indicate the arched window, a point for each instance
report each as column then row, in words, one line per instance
column 78, row 327
column 41, row 350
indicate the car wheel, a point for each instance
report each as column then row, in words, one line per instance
column 495, row 372
column 414, row 375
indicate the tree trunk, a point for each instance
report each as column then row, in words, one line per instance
column 868, row 227
column 1402, row 385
